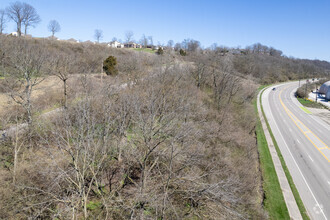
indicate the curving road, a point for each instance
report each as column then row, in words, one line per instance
column 304, row 141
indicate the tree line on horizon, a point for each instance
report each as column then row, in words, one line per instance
column 25, row 16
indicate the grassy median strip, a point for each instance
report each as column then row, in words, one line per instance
column 310, row 103
column 274, row 201
column 296, row 195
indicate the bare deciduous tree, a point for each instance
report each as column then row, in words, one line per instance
column 151, row 41
column 170, row 43
column 2, row 62
column 86, row 147
column 23, row 13
column 177, row 46
column 225, row 83
column 158, row 116
column 63, row 66
column 27, row 62
column 54, row 27
column 201, row 67
column 15, row 12
column 214, row 46
column 30, row 18
column 144, row 41
column 18, row 143
column 98, row 35
column 129, row 36
column 3, row 20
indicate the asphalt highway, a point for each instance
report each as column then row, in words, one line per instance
column 304, row 141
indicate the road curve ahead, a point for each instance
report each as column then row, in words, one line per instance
column 304, row 141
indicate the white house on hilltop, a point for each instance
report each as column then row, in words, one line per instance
column 116, row 44
column 14, row 34
column 132, row 45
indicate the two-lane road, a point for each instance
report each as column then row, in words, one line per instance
column 304, row 141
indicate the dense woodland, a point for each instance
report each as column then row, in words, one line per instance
column 167, row 137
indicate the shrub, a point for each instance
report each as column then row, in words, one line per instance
column 160, row 51
column 301, row 92
column 182, row 52
column 110, row 65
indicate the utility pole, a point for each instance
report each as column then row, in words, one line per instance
column 316, row 92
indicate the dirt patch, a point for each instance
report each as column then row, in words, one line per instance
column 5, row 101
column 50, row 91
column 51, row 83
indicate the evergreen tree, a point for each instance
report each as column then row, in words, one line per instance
column 110, row 66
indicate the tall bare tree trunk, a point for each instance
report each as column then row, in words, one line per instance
column 65, row 95
column 19, row 29
column 85, row 207
column 102, row 73
column 73, row 213
column 28, row 100
column 16, row 149
column 167, row 183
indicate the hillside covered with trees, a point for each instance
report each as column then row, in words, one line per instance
column 168, row 136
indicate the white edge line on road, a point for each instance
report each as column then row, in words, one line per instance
column 298, row 166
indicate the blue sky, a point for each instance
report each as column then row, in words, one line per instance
column 299, row 28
